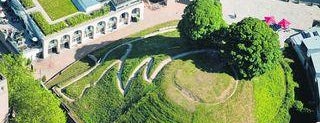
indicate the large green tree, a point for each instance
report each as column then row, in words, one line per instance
column 252, row 47
column 200, row 19
column 31, row 102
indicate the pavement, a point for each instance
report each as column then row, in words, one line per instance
column 300, row 15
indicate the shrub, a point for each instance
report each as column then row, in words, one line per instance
column 201, row 18
column 45, row 26
column 252, row 47
column 80, row 18
column 31, row 103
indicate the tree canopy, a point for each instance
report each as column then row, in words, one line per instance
column 30, row 102
column 200, row 19
column 252, row 47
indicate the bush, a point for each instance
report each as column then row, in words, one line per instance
column 80, row 18
column 31, row 103
column 45, row 26
column 27, row 3
column 200, row 19
column 252, row 47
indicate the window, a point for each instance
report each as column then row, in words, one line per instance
column 315, row 33
column 305, row 35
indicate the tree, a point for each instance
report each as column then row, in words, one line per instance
column 30, row 102
column 200, row 19
column 252, row 47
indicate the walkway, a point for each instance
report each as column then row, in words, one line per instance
column 53, row 64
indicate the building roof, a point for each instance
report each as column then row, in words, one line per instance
column 306, row 36
column 312, row 43
column 118, row 2
column 83, row 5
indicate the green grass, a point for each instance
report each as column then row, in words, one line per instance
column 99, row 105
column 75, row 89
column 269, row 91
column 159, row 47
column 58, row 8
column 74, row 70
column 27, row 3
column 266, row 98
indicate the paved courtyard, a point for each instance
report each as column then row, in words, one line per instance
column 300, row 15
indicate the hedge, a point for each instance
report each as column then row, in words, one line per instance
column 27, row 3
column 45, row 26
column 48, row 29
column 80, row 18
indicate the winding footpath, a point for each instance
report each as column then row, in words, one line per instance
column 145, row 65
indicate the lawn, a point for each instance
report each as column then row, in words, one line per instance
column 58, row 8
column 79, row 67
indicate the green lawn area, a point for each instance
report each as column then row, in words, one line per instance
column 74, row 70
column 83, row 64
column 58, row 8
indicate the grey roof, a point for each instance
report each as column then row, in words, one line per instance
column 312, row 43
column 306, row 35
column 118, row 2
column 82, row 5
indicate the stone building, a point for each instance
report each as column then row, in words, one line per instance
column 122, row 13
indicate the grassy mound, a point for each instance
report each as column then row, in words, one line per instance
column 208, row 91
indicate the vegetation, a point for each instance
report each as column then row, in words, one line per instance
column 200, row 19
column 265, row 98
column 78, row 66
column 252, row 47
column 30, row 102
column 274, row 94
column 74, row 70
column 45, row 26
column 80, row 18
column 58, row 8
column 27, row 3
column 72, row 21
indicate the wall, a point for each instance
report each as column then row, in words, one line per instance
column 82, row 28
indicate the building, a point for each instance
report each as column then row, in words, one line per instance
column 4, row 101
column 122, row 13
column 307, row 46
column 87, row 5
